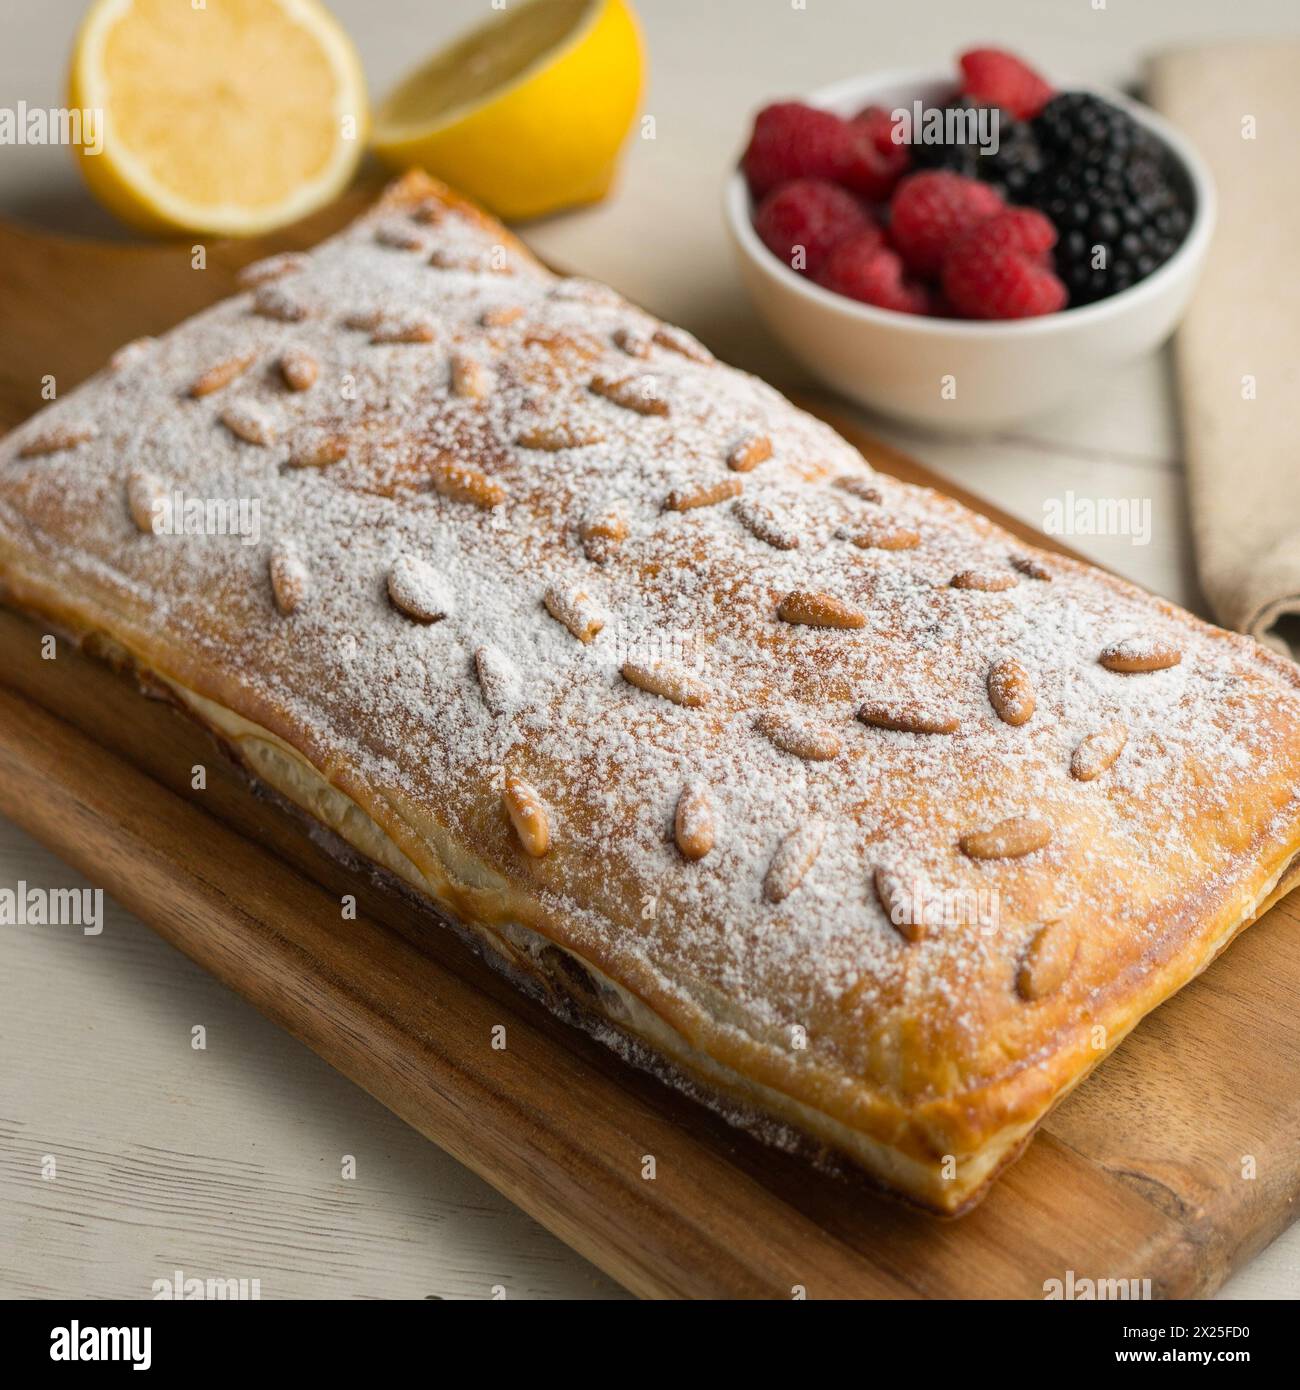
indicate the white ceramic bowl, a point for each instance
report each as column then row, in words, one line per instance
column 1002, row 372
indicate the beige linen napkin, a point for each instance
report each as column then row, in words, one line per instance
column 1238, row 350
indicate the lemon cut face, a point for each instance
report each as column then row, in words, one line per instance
column 527, row 113
column 229, row 119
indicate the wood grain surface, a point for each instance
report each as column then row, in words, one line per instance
column 1138, row 1175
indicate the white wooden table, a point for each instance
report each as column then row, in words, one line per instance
column 227, row 1162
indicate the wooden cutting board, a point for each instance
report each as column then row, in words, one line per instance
column 1138, row 1175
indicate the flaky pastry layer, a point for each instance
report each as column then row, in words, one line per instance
column 855, row 810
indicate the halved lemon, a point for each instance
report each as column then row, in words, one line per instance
column 526, row 114
column 230, row 119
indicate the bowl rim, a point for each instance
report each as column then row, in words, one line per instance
column 737, row 207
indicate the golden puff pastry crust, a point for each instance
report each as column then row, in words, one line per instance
column 819, row 788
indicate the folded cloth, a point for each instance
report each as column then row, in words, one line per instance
column 1238, row 350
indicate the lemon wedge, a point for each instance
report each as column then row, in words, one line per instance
column 527, row 113
column 230, row 119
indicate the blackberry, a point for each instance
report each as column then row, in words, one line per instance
column 1109, row 185
column 1011, row 170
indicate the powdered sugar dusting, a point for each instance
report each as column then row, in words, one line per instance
column 440, row 711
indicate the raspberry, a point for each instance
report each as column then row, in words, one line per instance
column 793, row 141
column 864, row 268
column 812, row 214
column 931, row 210
column 999, row 269
column 1023, row 230
column 877, row 162
column 999, row 78
column 881, row 126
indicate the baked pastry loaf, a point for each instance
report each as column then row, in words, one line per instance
column 816, row 787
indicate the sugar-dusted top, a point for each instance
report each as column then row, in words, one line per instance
column 510, row 526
